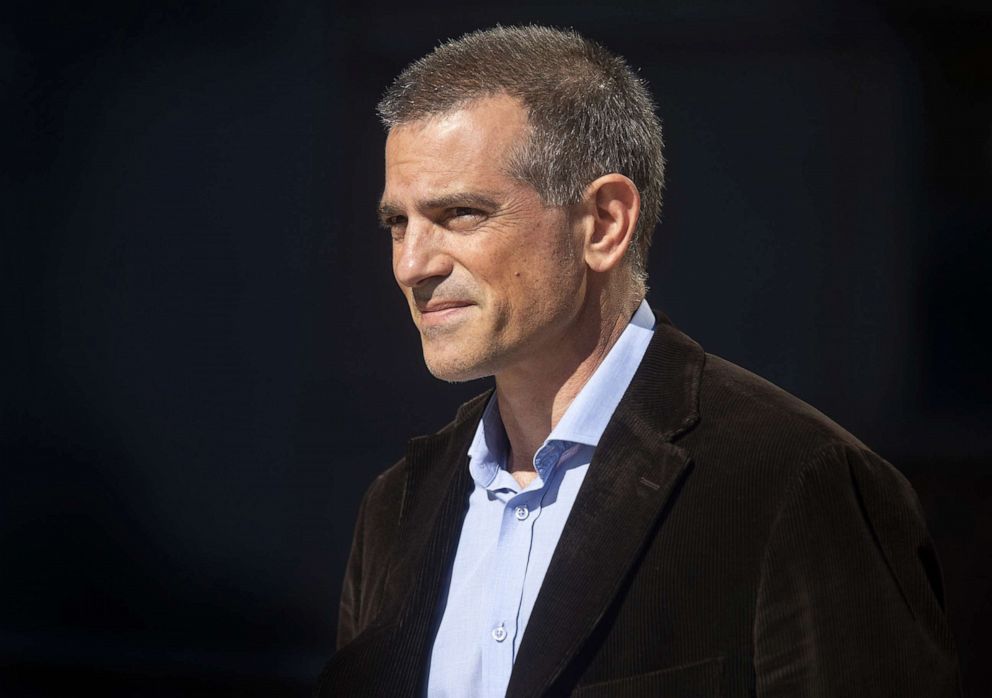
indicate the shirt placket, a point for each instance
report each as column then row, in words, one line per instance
column 520, row 512
column 512, row 557
column 545, row 461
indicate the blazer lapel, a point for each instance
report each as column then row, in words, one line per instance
column 633, row 475
column 437, row 491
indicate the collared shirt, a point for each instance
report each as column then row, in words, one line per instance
column 510, row 533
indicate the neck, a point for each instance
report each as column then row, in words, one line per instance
column 533, row 395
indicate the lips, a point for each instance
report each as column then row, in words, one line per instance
column 438, row 306
column 440, row 313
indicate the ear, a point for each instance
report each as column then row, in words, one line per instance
column 612, row 205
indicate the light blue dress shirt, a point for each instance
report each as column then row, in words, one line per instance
column 510, row 534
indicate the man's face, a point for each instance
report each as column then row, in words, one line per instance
column 492, row 276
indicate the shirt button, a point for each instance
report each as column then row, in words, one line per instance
column 499, row 633
column 521, row 512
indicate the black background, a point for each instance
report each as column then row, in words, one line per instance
column 206, row 359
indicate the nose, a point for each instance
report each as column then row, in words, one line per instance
column 420, row 256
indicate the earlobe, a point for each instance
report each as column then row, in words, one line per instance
column 614, row 204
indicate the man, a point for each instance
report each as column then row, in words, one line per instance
column 623, row 514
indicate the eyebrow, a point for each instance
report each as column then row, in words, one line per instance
column 481, row 200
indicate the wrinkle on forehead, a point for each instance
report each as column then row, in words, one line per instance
column 455, row 150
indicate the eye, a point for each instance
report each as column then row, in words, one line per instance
column 461, row 217
column 395, row 225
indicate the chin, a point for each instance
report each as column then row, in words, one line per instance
column 456, row 367
column 453, row 373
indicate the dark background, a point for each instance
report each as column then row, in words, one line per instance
column 206, row 360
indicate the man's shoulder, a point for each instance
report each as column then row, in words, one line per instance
column 744, row 414
column 734, row 421
column 762, row 452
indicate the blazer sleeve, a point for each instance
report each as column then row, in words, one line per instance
column 850, row 601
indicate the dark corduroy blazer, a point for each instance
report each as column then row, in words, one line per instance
column 728, row 540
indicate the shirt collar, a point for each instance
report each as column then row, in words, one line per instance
column 586, row 418
column 488, row 450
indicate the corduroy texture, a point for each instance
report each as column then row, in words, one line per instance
column 729, row 540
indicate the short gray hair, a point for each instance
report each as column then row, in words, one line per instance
column 589, row 113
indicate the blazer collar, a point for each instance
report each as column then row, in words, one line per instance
column 630, row 480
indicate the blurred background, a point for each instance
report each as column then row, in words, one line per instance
column 206, row 360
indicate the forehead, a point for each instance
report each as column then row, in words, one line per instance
column 457, row 151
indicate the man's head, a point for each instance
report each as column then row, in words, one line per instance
column 588, row 113
column 523, row 177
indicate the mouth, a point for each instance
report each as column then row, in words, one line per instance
column 442, row 313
